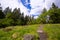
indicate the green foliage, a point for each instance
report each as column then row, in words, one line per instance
column 42, row 17
column 7, row 10
column 2, row 15
column 18, row 31
column 54, row 14
column 52, row 31
column 44, row 10
column 50, row 16
column 13, row 18
column 6, row 22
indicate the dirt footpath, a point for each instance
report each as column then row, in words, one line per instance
column 42, row 34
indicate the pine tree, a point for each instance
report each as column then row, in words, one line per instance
column 54, row 14
column 2, row 15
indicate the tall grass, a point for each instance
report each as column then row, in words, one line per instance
column 18, row 32
column 53, row 31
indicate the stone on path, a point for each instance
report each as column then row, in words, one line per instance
column 28, row 37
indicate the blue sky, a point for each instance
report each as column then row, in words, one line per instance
column 29, row 7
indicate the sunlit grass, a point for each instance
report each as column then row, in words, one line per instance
column 53, row 31
column 18, row 32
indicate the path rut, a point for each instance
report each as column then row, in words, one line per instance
column 42, row 34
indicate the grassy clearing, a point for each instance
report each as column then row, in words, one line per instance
column 17, row 32
column 53, row 31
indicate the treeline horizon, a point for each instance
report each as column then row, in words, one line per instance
column 52, row 16
column 15, row 17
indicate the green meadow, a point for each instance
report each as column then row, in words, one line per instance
column 17, row 24
column 53, row 31
column 18, row 32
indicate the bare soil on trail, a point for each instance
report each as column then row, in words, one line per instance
column 42, row 34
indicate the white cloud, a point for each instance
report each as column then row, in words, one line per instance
column 48, row 3
column 24, row 9
column 34, row 3
column 40, row 4
column 13, row 4
column 36, row 6
column 35, row 11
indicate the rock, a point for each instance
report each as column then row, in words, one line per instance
column 28, row 37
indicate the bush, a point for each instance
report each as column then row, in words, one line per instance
column 6, row 22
